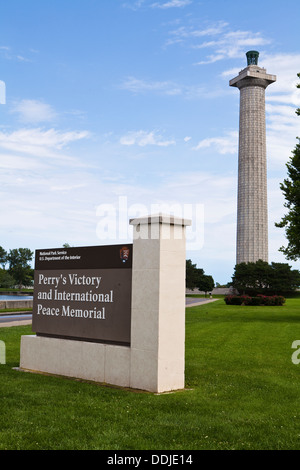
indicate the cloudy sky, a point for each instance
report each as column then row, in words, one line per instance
column 111, row 109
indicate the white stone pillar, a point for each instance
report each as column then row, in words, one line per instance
column 158, row 303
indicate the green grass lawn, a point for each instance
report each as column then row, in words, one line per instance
column 13, row 310
column 242, row 392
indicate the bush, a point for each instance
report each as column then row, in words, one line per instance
column 246, row 300
column 276, row 300
column 279, row 300
column 256, row 301
column 272, row 300
column 233, row 300
column 6, row 280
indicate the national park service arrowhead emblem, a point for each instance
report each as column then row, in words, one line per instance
column 124, row 254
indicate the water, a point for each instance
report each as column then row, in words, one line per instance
column 16, row 297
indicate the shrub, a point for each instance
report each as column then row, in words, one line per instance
column 279, row 300
column 272, row 299
column 246, row 299
column 268, row 300
column 233, row 300
column 256, row 301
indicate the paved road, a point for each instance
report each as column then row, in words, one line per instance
column 194, row 301
column 15, row 320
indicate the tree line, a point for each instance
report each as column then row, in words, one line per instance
column 264, row 278
column 249, row 278
column 197, row 279
column 19, row 271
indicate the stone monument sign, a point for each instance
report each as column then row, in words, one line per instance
column 113, row 314
column 83, row 293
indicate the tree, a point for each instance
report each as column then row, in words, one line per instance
column 196, row 278
column 263, row 278
column 19, row 267
column 251, row 277
column 205, row 283
column 6, row 280
column 192, row 273
column 283, row 279
column 3, row 257
column 291, row 190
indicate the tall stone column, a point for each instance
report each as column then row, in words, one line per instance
column 252, row 211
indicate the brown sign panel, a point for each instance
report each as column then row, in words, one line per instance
column 84, row 293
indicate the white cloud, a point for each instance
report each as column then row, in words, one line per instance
column 224, row 145
column 232, row 45
column 285, row 67
column 189, row 32
column 8, row 53
column 17, row 162
column 134, row 5
column 2, row 92
column 171, row 4
column 23, row 59
column 231, row 72
column 44, row 189
column 282, row 99
column 48, row 138
column 136, row 85
column 223, row 42
column 41, row 143
column 67, row 187
column 282, row 130
column 34, row 111
column 169, row 88
column 143, row 138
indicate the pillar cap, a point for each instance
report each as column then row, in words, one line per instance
column 160, row 219
column 253, row 75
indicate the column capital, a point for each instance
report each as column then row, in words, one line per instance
column 253, row 76
column 160, row 219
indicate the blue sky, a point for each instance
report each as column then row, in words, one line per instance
column 114, row 108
